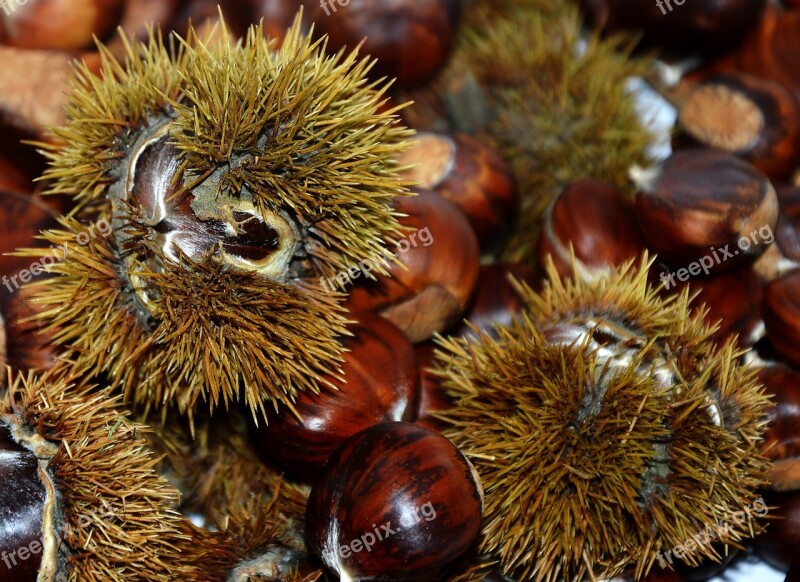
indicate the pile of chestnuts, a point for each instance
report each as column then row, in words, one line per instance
column 290, row 289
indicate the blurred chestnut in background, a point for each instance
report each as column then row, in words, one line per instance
column 782, row 315
column 471, row 174
column 677, row 26
column 780, row 543
column 706, row 204
column 59, row 24
column 381, row 382
column 782, row 438
column 769, row 51
column 431, row 287
column 496, row 300
column 411, row 39
column 755, row 119
column 597, row 220
column 397, row 501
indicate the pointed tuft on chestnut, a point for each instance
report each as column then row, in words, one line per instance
column 432, row 396
column 702, row 203
column 397, row 501
column 380, row 382
column 471, row 174
column 596, row 220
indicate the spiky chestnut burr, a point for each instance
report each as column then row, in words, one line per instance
column 395, row 502
column 235, row 176
column 554, row 102
column 606, row 421
column 380, row 382
column 85, row 502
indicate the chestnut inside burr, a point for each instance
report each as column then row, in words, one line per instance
column 22, row 508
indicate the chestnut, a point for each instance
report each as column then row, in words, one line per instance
column 778, row 545
column 732, row 302
column 471, row 174
column 755, row 119
column 782, row 438
column 677, row 26
column 411, row 39
column 782, row 315
column 396, row 501
column 496, row 300
column 380, row 382
column 22, row 506
column 432, row 397
column 430, row 286
column 24, row 217
column 58, row 24
column 706, row 208
column 787, row 232
column 595, row 221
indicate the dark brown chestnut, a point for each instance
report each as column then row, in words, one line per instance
column 411, row 39
column 471, row 174
column 432, row 396
column 22, row 506
column 706, row 211
column 430, row 288
column 782, row 438
column 755, row 119
column 380, row 383
column 733, row 302
column 496, row 300
column 678, row 26
column 782, row 315
column 58, row 24
column 779, row 544
column 397, row 501
column 595, row 220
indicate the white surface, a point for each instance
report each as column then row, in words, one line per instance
column 750, row 569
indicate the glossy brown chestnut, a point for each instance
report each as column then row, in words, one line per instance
column 471, row 174
column 22, row 506
column 397, row 501
column 782, row 438
column 59, row 24
column 596, row 221
column 381, row 383
column 700, row 202
column 496, row 300
column 678, row 26
column 755, row 119
column 430, row 288
column 782, row 315
column 780, row 543
column 411, row 39
column 733, row 302
column 787, row 232
column 432, row 396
